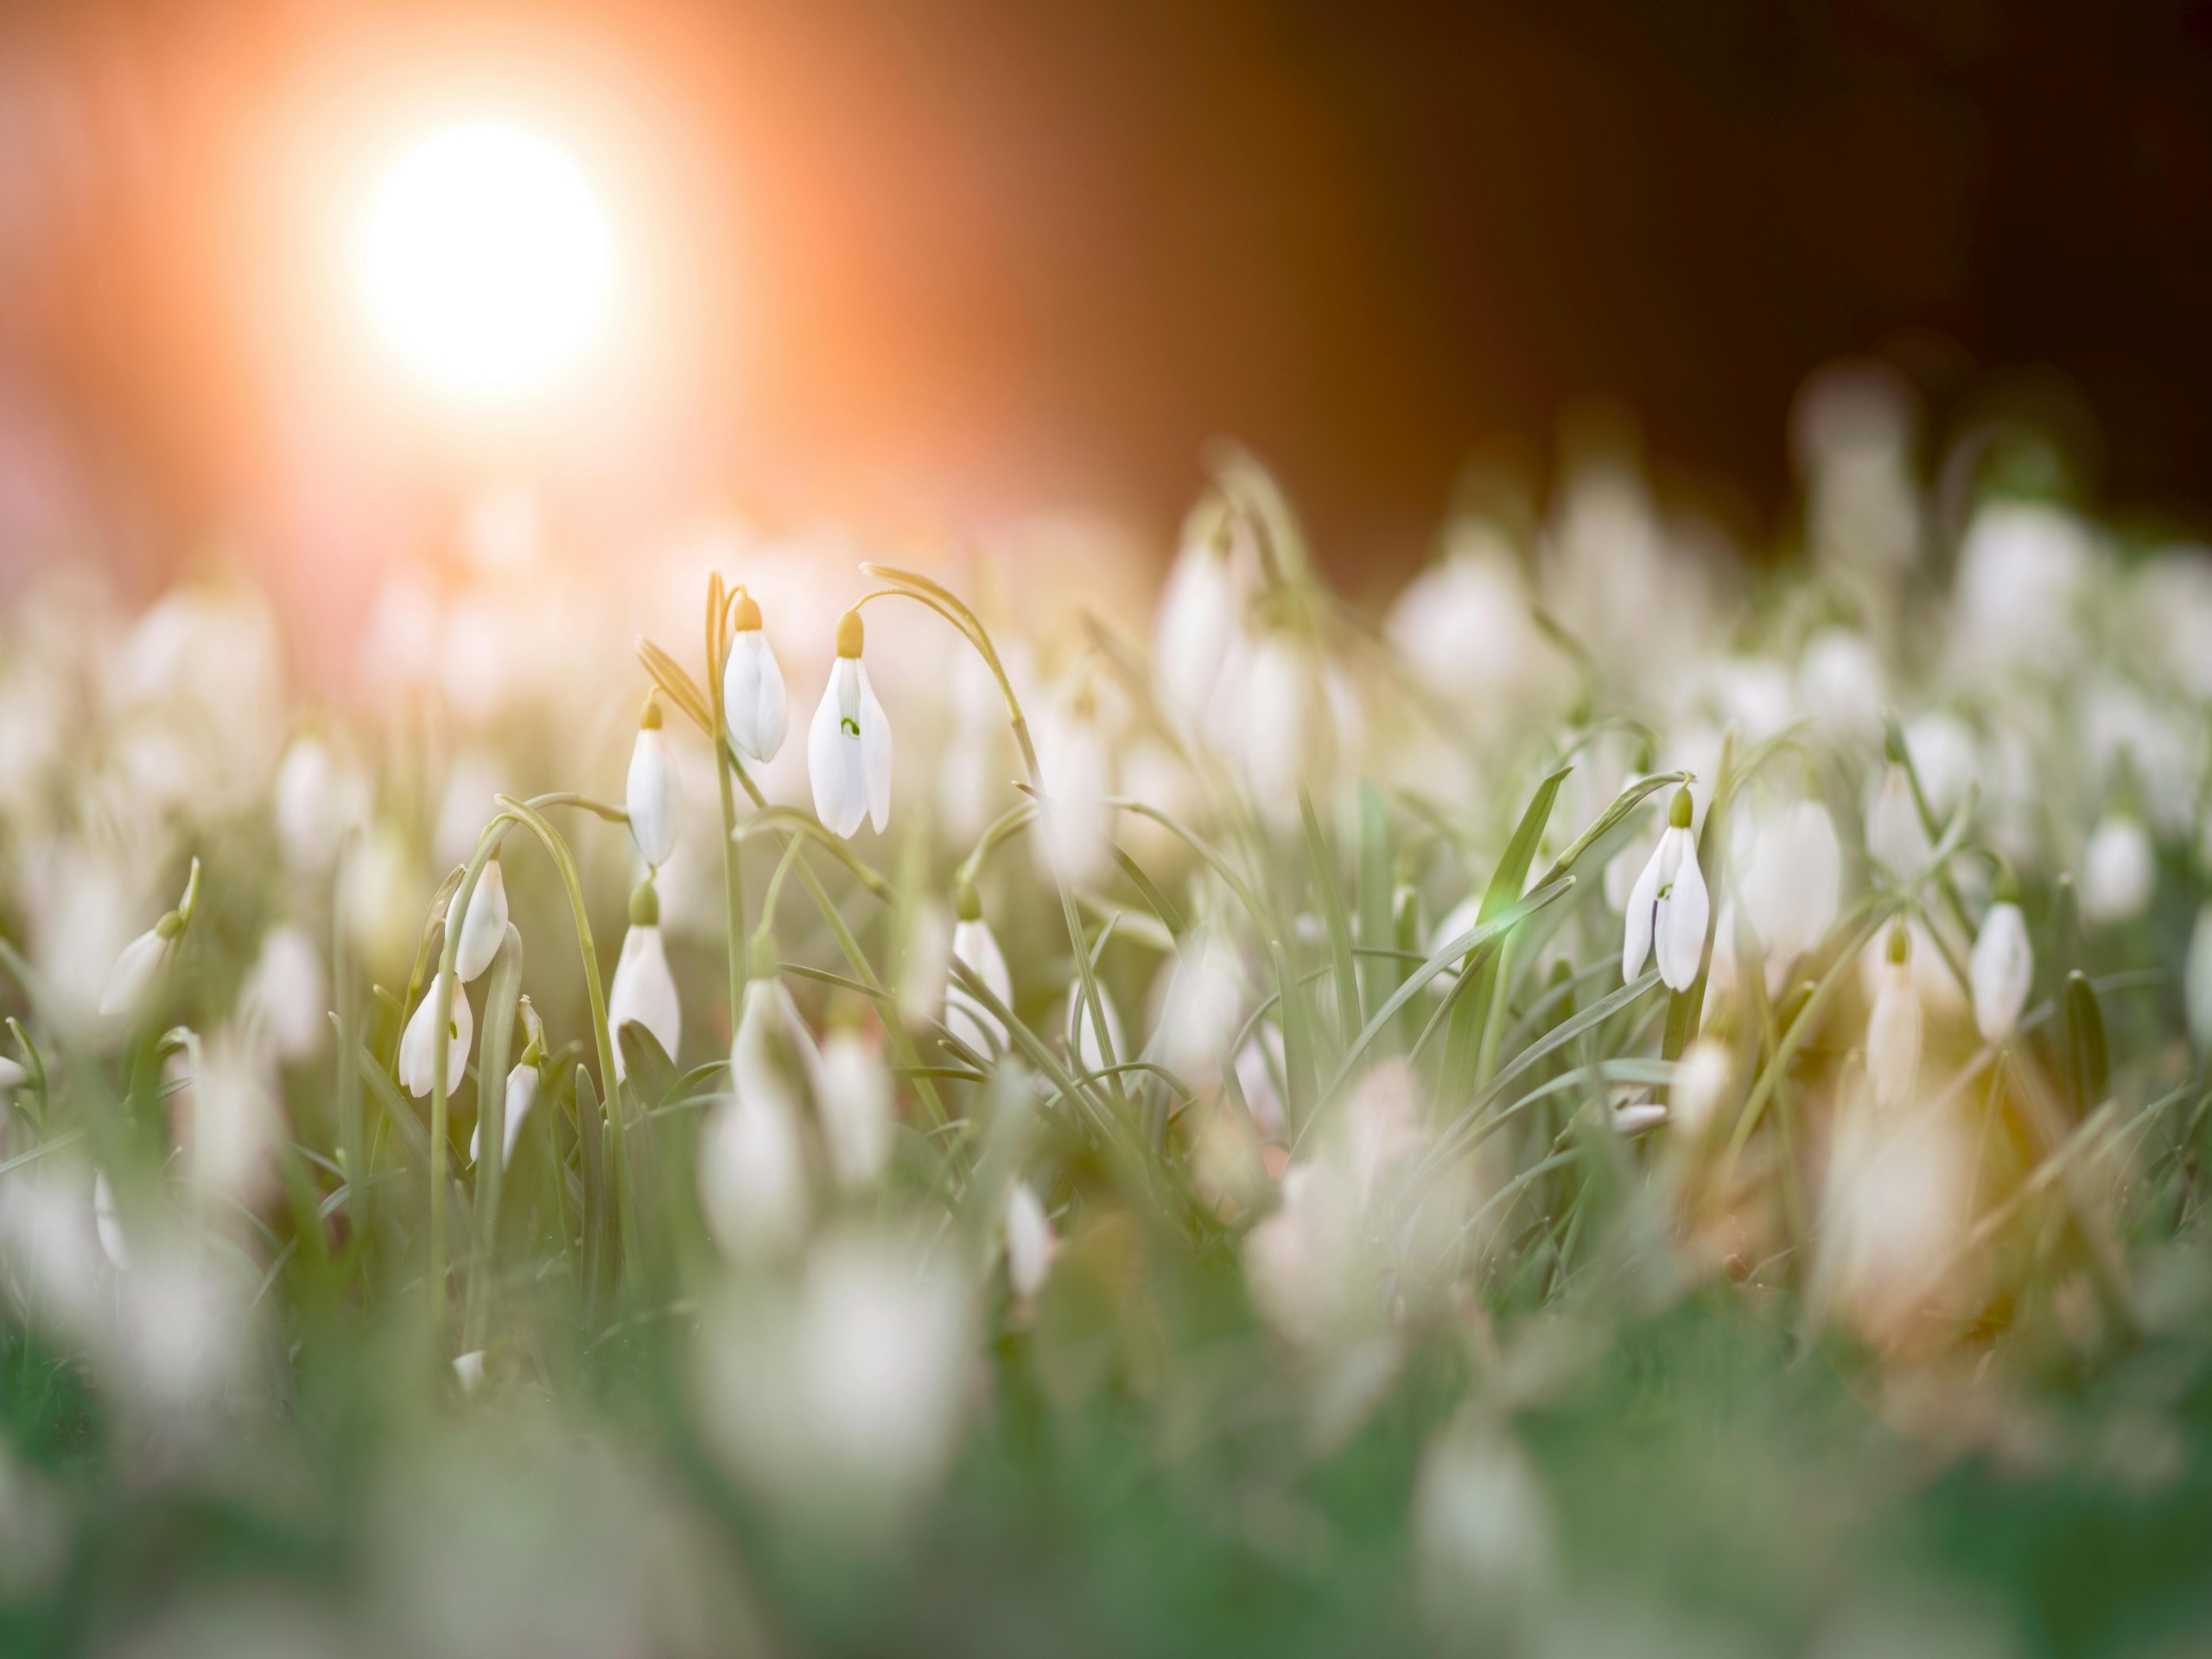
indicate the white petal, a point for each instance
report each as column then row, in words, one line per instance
column 651, row 798
column 833, row 757
column 1643, row 902
column 417, row 1045
column 2196, row 981
column 1679, row 920
column 484, row 927
column 2003, row 965
column 966, row 1017
column 1030, row 1245
column 131, row 981
column 1893, row 1038
column 854, row 1100
column 752, row 696
column 645, row 991
column 875, row 751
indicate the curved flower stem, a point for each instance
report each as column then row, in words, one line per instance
column 732, row 853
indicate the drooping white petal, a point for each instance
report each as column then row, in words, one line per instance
column 1030, row 1242
column 484, row 926
column 854, row 1103
column 2004, row 963
column 1641, row 912
column 965, row 1017
column 645, row 991
column 2119, row 870
column 2196, row 990
column 107, row 1222
column 1679, row 918
column 284, row 999
column 875, row 751
column 130, row 981
column 833, row 745
column 418, row 1047
column 521, row 1095
column 753, row 698
column 652, row 797
column 1893, row 1037
column 1895, row 835
column 12, row 1075
column 1197, row 612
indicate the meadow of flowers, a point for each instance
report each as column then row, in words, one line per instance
column 1618, row 1099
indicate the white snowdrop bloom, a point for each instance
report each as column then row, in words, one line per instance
column 2150, row 745
column 2003, row 965
column 1702, row 1081
column 2196, row 981
column 1894, row 835
column 2022, row 566
column 1894, row 1210
column 107, row 1225
column 470, row 802
column 285, row 1000
column 129, row 986
column 2173, row 608
column 1484, row 1544
column 228, row 1120
column 1199, row 609
column 383, row 893
column 1256, row 1081
column 752, row 1162
column 1945, row 756
column 483, row 926
column 418, row 1046
column 753, row 687
column 1638, row 1117
column 521, row 1095
column 2118, row 870
column 1030, row 1241
column 1070, row 835
column 848, row 747
column 1753, row 694
column 854, row 1104
column 1278, row 725
column 977, row 950
column 652, row 794
column 468, row 1370
column 1083, row 1031
column 1893, row 1029
column 1840, row 681
column 1197, row 1001
column 1298, row 1261
column 1791, row 883
column 316, row 800
column 1669, row 907
column 12, row 1076
column 1464, row 627
column 644, row 989
column 924, row 965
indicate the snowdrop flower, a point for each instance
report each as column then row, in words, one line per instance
column 974, row 946
column 2021, row 567
column 2197, row 982
column 1030, row 1242
column 751, row 1163
column 1667, row 911
column 1946, row 757
column 317, row 800
column 1462, row 623
column 483, row 926
column 1791, row 882
column 418, row 1047
column 849, row 747
column 2118, row 869
column 1070, row 836
column 644, row 989
column 1638, row 1117
column 284, row 999
column 1198, row 609
column 854, row 1103
column 753, row 687
column 468, row 1370
column 1278, row 725
column 652, row 797
column 130, row 982
column 1894, row 835
column 1083, row 1030
column 2003, row 964
column 107, row 1223
column 1702, row 1081
column 1840, row 681
column 1198, row 1006
column 521, row 1095
column 1893, row 1030
column 12, row 1076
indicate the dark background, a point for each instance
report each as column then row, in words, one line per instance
column 984, row 256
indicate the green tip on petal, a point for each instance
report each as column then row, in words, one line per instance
column 967, row 903
column 761, row 955
column 1900, row 943
column 644, row 905
column 1681, row 808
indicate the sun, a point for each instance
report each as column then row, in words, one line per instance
column 486, row 262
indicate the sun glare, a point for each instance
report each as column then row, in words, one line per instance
column 486, row 262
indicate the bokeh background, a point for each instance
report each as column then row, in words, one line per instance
column 969, row 261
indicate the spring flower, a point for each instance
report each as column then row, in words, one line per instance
column 107, row 1223
column 1198, row 610
column 316, row 801
column 751, row 1163
column 652, row 796
column 2003, row 964
column 753, row 687
column 1894, row 835
column 1083, row 1030
column 12, row 1076
column 2022, row 566
column 468, row 1370
column 1070, row 836
column 1840, row 683
column 1791, row 881
column 285, row 998
column 974, row 947
column 1893, row 1030
column 2197, row 982
column 849, row 747
column 1702, row 1081
column 418, row 1047
column 644, row 989
column 1030, row 1242
column 484, row 925
column 1279, row 723
column 1668, row 910
column 130, row 982
column 521, row 1095
column 2118, row 869
column 854, row 1104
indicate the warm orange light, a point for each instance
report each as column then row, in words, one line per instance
column 486, row 262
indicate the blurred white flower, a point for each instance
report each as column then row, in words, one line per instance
column 848, row 747
column 855, row 1108
column 924, row 965
column 651, row 791
column 753, row 687
column 1198, row 610
column 1894, row 835
column 2173, row 609
column 1083, row 1030
column 1853, row 431
column 1702, row 1081
column 2118, row 870
column 974, row 948
column 228, row 1120
column 752, row 1165
column 644, row 989
column 1841, row 684
column 483, row 926
column 130, row 982
column 383, row 893
column 1382, row 1124
column 1669, row 908
column 2197, row 981
column 12, row 1076
column 2003, row 966
column 2022, row 566
column 468, row 1370
column 1483, row 1544
column 1638, row 1117
column 317, row 799
column 1945, row 756
column 1297, row 1262
column 1893, row 1213
column 107, row 1223
column 521, row 1095
column 1030, row 1241
column 418, row 1046
column 1463, row 625
column 1070, row 833
column 1199, row 1002
column 1791, row 883
column 1893, row 1029
column 1279, row 725
column 284, row 999
column 469, row 803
